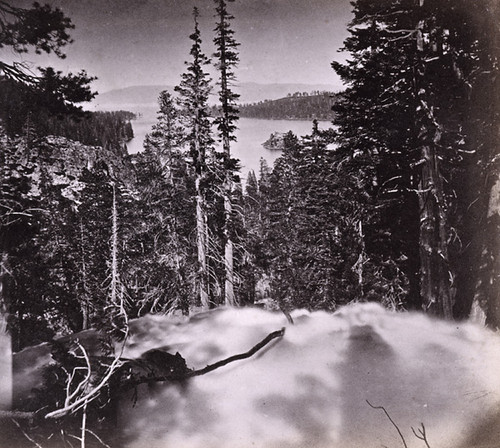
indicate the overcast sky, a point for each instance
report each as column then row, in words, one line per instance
column 145, row 42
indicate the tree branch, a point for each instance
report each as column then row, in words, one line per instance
column 251, row 352
column 421, row 435
column 82, row 401
column 391, row 420
column 26, row 435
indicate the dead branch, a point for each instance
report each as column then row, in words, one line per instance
column 83, row 383
column 287, row 315
column 391, row 420
column 157, row 365
column 87, row 398
column 98, row 438
column 154, row 366
column 26, row 435
column 421, row 435
column 84, row 426
column 251, row 352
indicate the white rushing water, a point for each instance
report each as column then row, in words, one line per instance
column 310, row 389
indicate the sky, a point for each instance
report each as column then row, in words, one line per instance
column 145, row 42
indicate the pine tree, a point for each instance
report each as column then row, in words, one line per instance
column 40, row 28
column 18, row 227
column 412, row 60
column 167, row 134
column 227, row 59
column 194, row 91
column 159, row 257
column 95, row 243
column 475, row 30
column 159, row 265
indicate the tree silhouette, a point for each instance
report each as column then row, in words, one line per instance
column 194, row 90
column 227, row 59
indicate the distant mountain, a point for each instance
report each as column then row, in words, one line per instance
column 139, row 97
column 129, row 98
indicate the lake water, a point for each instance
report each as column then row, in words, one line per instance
column 250, row 136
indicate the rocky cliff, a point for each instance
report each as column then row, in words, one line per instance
column 62, row 161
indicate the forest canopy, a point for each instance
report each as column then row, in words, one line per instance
column 391, row 204
column 296, row 106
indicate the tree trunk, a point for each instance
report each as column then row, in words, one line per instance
column 486, row 302
column 228, row 58
column 435, row 285
column 84, row 303
column 492, row 246
column 201, row 242
column 201, row 223
column 435, row 275
column 229, row 297
column 358, row 267
column 114, row 252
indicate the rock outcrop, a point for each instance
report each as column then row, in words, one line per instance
column 62, row 161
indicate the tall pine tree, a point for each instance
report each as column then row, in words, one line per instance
column 410, row 77
column 194, row 91
column 227, row 59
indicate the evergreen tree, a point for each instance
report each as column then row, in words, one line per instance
column 95, row 242
column 18, row 225
column 24, row 94
column 42, row 28
column 476, row 30
column 58, row 251
column 414, row 61
column 167, row 134
column 308, row 229
column 52, row 97
column 194, row 91
column 159, row 256
column 253, row 268
column 227, row 59
column 160, row 267
column 40, row 263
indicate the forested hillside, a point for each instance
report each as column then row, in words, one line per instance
column 37, row 111
column 296, row 106
column 106, row 129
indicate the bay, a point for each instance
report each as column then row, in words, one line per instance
column 251, row 134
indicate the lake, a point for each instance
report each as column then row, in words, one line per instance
column 250, row 136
